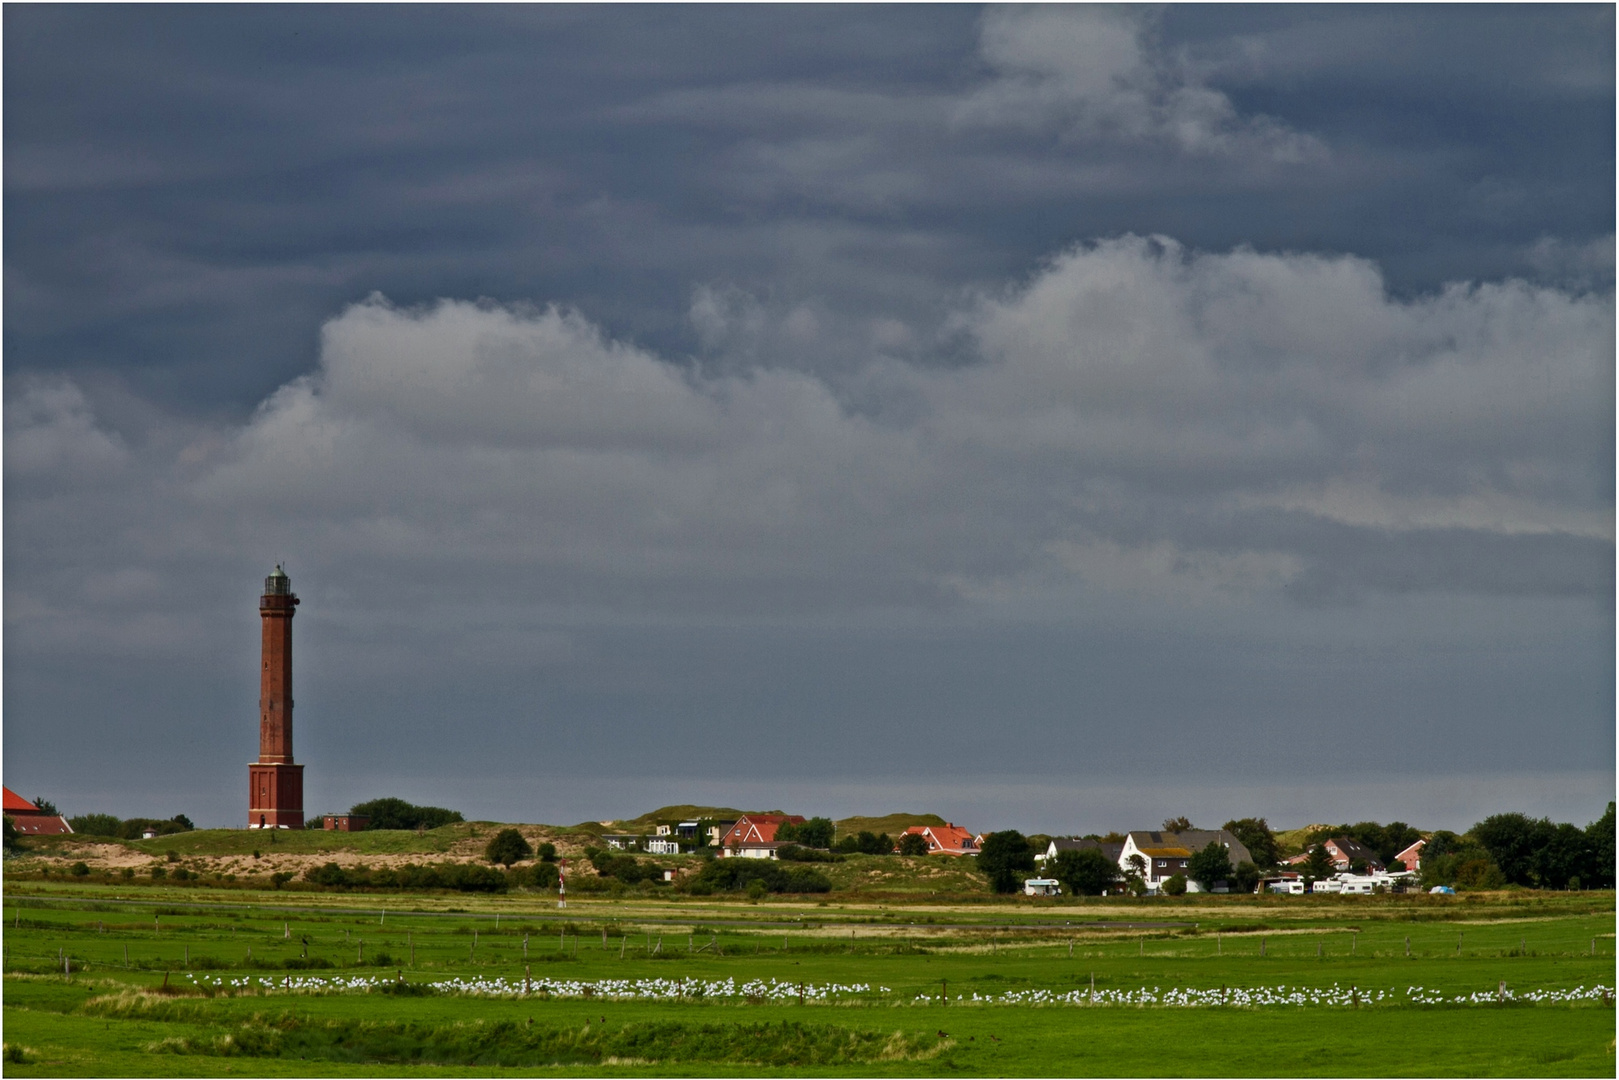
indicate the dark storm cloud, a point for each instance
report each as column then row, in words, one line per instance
column 174, row 174
column 1230, row 377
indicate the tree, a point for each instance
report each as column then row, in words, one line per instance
column 1174, row 885
column 547, row 852
column 1514, row 842
column 1211, row 865
column 1255, row 834
column 506, row 847
column 1448, row 859
column 914, row 844
column 183, row 821
column 1564, row 856
column 95, row 824
column 1599, row 839
column 866, row 842
column 1244, row 877
column 1004, row 858
column 1178, row 824
column 1135, row 875
column 46, row 806
column 1086, row 872
column 12, row 836
column 1318, row 865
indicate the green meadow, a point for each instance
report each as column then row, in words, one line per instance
column 153, row 980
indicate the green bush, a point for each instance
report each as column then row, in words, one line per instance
column 80, row 870
column 795, row 853
column 542, row 875
column 914, row 844
column 506, row 847
column 816, row 832
column 735, row 875
column 622, row 868
column 1175, row 885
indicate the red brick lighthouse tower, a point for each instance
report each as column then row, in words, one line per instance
column 275, row 796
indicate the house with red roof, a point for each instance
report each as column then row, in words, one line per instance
column 30, row 819
column 946, row 839
column 753, row 836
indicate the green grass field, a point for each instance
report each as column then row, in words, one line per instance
column 199, row 981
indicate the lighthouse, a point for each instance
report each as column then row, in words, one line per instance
column 275, row 796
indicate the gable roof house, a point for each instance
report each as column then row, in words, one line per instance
column 1343, row 851
column 946, row 839
column 30, row 819
column 1166, row 854
column 753, row 836
column 1412, row 856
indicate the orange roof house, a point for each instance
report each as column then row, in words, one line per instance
column 946, row 839
column 30, row 819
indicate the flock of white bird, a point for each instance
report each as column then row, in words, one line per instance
column 763, row 990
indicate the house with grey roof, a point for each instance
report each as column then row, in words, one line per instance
column 1161, row 855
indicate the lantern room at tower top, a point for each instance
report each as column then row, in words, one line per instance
column 275, row 798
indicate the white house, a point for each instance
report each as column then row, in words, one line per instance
column 1162, row 855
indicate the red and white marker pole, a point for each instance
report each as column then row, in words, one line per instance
column 562, row 882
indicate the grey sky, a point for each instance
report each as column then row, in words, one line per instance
column 1066, row 416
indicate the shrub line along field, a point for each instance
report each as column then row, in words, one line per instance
column 193, row 981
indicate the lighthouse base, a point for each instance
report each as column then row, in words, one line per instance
column 275, row 796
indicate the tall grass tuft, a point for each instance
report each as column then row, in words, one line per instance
column 506, row 1043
